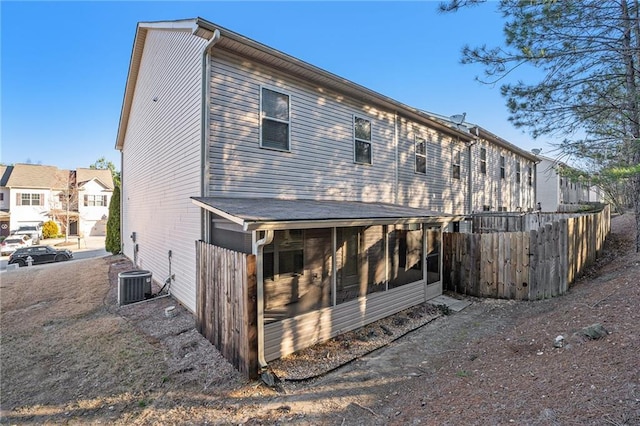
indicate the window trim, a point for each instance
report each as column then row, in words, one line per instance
column 262, row 116
column 21, row 195
column 530, row 175
column 518, row 172
column 422, row 155
column 93, row 198
column 483, row 160
column 503, row 167
column 456, row 161
column 356, row 140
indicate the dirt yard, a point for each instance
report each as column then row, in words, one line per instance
column 68, row 354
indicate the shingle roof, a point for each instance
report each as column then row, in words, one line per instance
column 103, row 176
column 37, row 176
column 5, row 172
column 256, row 213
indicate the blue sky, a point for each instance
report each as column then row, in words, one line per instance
column 64, row 64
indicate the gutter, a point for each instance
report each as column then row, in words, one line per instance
column 258, row 247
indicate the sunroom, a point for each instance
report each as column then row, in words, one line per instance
column 322, row 268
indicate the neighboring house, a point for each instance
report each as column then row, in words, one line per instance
column 94, row 188
column 558, row 192
column 37, row 193
column 341, row 193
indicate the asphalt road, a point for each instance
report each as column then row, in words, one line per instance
column 88, row 248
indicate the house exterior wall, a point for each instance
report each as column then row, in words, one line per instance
column 320, row 164
column 161, row 161
column 555, row 191
column 492, row 191
column 4, row 198
column 437, row 189
column 28, row 215
column 548, row 189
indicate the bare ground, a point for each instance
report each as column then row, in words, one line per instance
column 68, row 354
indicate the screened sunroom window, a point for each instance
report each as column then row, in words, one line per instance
column 362, row 140
column 275, row 120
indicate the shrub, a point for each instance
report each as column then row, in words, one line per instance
column 112, row 242
column 50, row 229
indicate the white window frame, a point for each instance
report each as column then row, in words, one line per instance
column 422, row 155
column 91, row 200
column 518, row 172
column 263, row 117
column 360, row 140
column 456, row 161
column 483, row 160
column 503, row 167
column 32, row 196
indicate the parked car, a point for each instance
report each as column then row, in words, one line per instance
column 34, row 231
column 39, row 254
column 14, row 242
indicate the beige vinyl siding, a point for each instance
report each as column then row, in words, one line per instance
column 161, row 161
column 321, row 162
column 491, row 190
column 437, row 189
column 287, row 336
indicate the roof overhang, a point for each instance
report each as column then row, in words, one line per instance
column 268, row 213
column 487, row 135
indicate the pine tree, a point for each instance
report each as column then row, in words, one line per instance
column 588, row 56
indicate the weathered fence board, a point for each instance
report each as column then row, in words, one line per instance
column 226, row 304
column 540, row 262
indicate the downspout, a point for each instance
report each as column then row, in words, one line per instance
column 204, row 130
column 470, row 171
column 258, row 247
column 397, row 158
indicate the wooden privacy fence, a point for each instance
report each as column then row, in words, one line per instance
column 489, row 222
column 226, row 304
column 531, row 265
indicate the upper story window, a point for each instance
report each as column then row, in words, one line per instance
column 29, row 200
column 1, row 196
column 95, row 200
column 502, row 169
column 275, row 115
column 529, row 176
column 456, row 164
column 483, row 161
column 421, row 155
column 517, row 172
column 362, row 140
